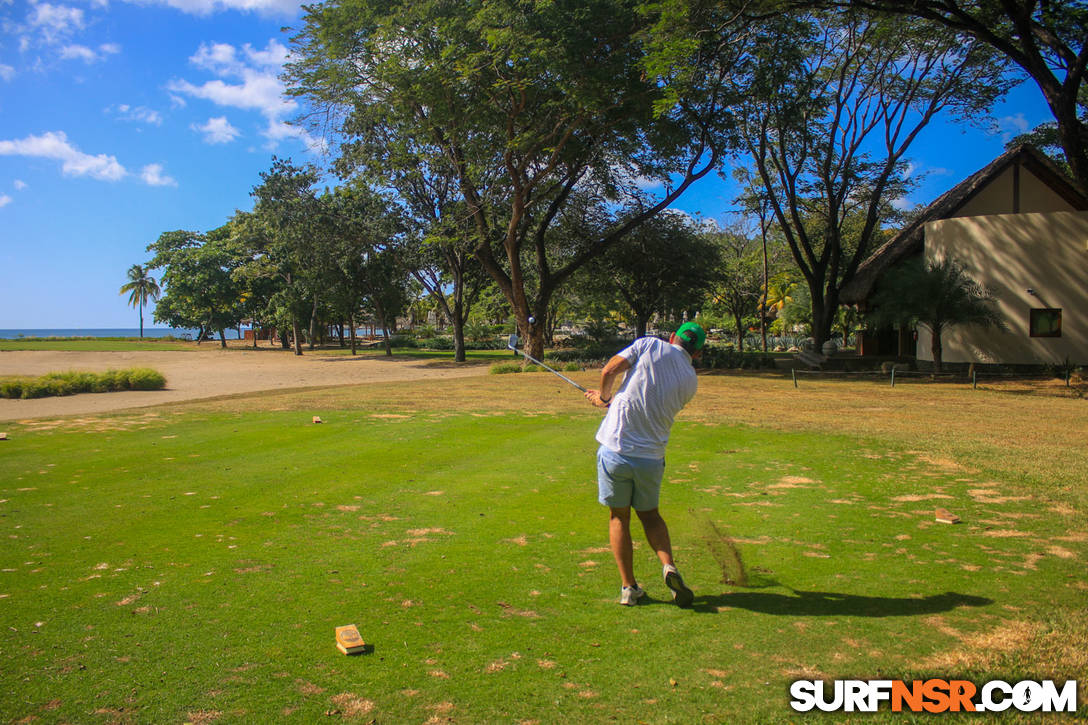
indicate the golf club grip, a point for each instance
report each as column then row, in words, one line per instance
column 554, row 372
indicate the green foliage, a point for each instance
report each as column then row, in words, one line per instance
column 721, row 358
column 423, row 332
column 599, row 332
column 73, row 382
column 738, row 292
column 587, row 353
column 505, row 368
column 141, row 287
column 661, row 266
column 200, row 289
column 509, row 368
column 437, row 343
column 145, row 379
column 514, row 105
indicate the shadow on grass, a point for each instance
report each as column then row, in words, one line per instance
column 823, row 604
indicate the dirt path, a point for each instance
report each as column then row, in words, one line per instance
column 209, row 373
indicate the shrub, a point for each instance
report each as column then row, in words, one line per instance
column 71, row 383
column 57, row 384
column 146, row 379
column 402, row 341
column 12, row 388
column 588, row 353
column 437, row 343
column 510, row 367
column 37, row 388
column 424, row 332
column 722, row 358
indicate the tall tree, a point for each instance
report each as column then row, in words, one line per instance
column 200, row 289
column 663, row 265
column 746, row 262
column 523, row 102
column 364, row 230
column 836, row 100
column 141, row 287
column 938, row 294
column 284, row 225
column 1047, row 39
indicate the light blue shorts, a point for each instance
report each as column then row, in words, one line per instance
column 627, row 481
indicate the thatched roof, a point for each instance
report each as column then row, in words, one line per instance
column 910, row 238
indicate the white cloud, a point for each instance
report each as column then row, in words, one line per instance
column 4, row 200
column 88, row 55
column 206, row 7
column 7, row 72
column 55, row 145
column 55, row 22
column 138, row 114
column 19, row 184
column 258, row 92
column 152, row 176
column 257, row 87
column 217, row 130
column 1012, row 126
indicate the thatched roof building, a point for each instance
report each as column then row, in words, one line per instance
column 910, row 240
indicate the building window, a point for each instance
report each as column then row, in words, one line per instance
column 1045, row 322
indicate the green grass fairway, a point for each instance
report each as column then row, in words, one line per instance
column 191, row 564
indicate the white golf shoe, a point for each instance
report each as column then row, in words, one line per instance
column 681, row 595
column 629, row 596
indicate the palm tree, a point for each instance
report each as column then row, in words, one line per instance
column 141, row 287
column 939, row 295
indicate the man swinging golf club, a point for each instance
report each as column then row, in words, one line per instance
column 631, row 459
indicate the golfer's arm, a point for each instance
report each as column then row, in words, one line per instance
column 614, row 368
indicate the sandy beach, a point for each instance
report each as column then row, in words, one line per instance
column 210, row 372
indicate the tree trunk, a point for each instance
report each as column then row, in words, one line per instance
column 141, row 319
column 823, row 317
column 739, row 322
column 533, row 336
column 935, row 348
column 766, row 281
column 313, row 322
column 296, row 331
column 641, row 321
column 222, row 338
column 351, row 321
column 380, row 311
column 458, row 322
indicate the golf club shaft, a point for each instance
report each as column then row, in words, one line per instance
column 556, row 372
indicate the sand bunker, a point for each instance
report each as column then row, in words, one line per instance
column 209, row 372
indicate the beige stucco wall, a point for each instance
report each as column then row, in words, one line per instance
column 997, row 196
column 1011, row 253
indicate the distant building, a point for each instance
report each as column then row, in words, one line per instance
column 1020, row 227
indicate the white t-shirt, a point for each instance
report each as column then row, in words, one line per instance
column 660, row 382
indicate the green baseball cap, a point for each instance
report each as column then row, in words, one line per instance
column 692, row 333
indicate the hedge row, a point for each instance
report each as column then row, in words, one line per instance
column 71, row 383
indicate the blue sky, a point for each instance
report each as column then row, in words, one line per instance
column 121, row 120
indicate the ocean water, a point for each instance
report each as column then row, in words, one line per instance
column 151, row 332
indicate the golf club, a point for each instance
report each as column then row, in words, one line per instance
column 513, row 345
